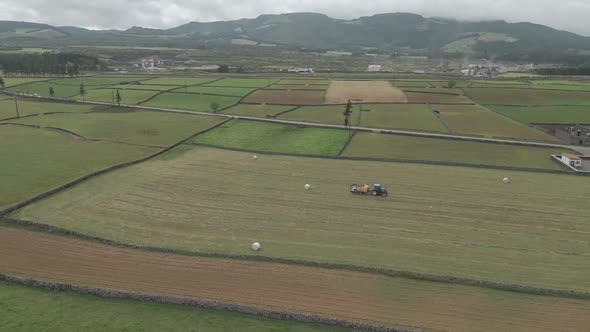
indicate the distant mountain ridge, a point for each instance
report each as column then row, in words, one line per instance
column 388, row 33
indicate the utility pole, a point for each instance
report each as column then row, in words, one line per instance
column 16, row 104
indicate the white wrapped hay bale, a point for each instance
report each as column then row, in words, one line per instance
column 307, row 186
column 256, row 246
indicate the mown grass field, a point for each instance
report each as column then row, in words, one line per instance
column 32, row 106
column 289, row 81
column 128, row 96
column 421, row 148
column 257, row 110
column 281, row 97
column 297, row 87
column 438, row 219
column 237, row 92
column 194, row 102
column 504, row 96
column 48, row 311
column 36, row 160
column 135, row 127
column 391, row 116
column 477, row 120
column 273, row 137
column 546, row 114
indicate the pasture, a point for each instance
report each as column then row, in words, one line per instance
column 272, row 137
column 244, row 82
column 133, row 127
column 504, row 96
column 144, row 87
column 479, row 121
column 389, row 116
column 375, row 145
column 284, row 97
column 93, row 81
column 189, row 101
column 42, row 89
column 130, row 97
column 340, row 92
column 33, row 106
column 426, row 97
column 376, row 299
column 237, row 92
column 257, row 110
column 309, row 82
column 438, row 219
column 12, row 81
column 69, row 312
column 546, row 114
column 36, row 160
column 179, row 81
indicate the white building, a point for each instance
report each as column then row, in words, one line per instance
column 151, row 63
column 571, row 160
column 374, row 68
column 301, row 70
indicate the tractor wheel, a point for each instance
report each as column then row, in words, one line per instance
column 374, row 193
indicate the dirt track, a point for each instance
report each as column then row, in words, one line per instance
column 340, row 92
column 348, row 295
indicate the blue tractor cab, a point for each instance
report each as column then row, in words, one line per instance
column 379, row 190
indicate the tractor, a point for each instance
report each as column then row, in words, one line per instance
column 363, row 189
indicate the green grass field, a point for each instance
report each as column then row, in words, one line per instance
column 257, row 110
column 48, row 311
column 237, row 92
column 504, row 96
column 12, row 81
column 245, row 82
column 32, row 106
column 477, row 120
column 420, row 148
column 42, row 89
column 441, row 220
column 414, row 97
column 304, row 81
column 191, row 102
column 393, row 116
column 546, row 114
column 276, row 138
column 129, row 97
column 144, row 87
column 136, row 127
column 36, row 160
column 92, row 81
column 298, row 87
column 179, row 81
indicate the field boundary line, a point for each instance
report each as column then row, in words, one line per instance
column 448, row 279
column 197, row 302
column 515, row 141
column 287, row 111
column 87, row 177
column 433, row 92
column 175, row 87
column 513, row 119
column 525, row 88
column 389, row 160
column 350, row 137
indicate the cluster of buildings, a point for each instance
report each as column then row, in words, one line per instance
column 575, row 135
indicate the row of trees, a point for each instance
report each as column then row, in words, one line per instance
column 56, row 64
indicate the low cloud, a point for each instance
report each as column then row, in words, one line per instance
column 121, row 14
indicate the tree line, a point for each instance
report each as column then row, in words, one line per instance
column 47, row 64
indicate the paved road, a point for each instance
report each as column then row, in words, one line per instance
column 582, row 150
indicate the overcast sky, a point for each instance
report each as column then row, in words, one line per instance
column 569, row 15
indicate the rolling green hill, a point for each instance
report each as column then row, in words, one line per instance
column 396, row 32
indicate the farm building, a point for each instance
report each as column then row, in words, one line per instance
column 301, row 70
column 577, row 135
column 571, row 160
column 150, row 63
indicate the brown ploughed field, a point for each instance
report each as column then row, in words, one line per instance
column 340, row 92
column 357, row 296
